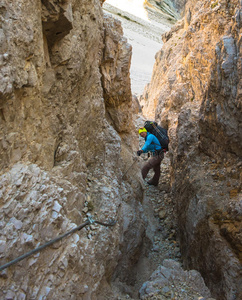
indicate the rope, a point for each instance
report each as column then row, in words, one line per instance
column 88, row 222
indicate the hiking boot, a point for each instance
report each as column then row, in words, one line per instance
column 152, row 183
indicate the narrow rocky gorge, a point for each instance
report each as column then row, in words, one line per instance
column 68, row 135
column 158, row 273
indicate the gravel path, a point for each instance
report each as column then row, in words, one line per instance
column 161, row 240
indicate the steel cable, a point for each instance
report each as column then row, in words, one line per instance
column 38, row 249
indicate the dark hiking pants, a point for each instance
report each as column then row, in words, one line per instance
column 153, row 163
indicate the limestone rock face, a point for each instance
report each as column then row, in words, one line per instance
column 195, row 91
column 166, row 7
column 60, row 157
column 171, row 281
column 115, row 75
column 173, row 8
column 56, row 19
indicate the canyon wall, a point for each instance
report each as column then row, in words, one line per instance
column 65, row 114
column 195, row 92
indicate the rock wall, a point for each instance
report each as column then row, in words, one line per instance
column 195, row 91
column 161, row 7
column 171, row 281
column 64, row 97
column 173, row 8
column 115, row 69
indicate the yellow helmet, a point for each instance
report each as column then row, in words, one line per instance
column 142, row 129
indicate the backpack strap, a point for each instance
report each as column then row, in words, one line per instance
column 158, row 130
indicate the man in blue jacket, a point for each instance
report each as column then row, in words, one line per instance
column 152, row 145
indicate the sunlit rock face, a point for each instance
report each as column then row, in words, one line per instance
column 60, row 154
column 173, row 9
column 115, row 75
column 195, row 91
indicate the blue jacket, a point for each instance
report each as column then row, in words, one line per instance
column 151, row 143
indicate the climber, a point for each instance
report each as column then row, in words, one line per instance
column 152, row 145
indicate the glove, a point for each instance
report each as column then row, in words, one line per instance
column 139, row 152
